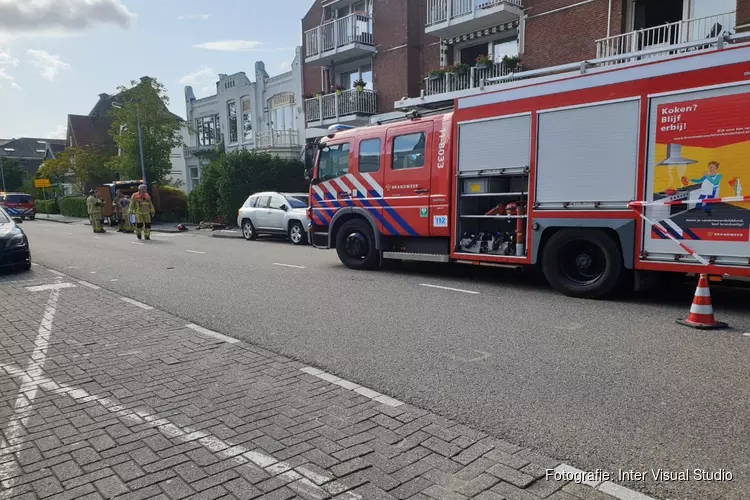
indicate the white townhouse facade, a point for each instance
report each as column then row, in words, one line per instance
column 265, row 115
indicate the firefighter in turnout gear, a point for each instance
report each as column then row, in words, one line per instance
column 94, row 207
column 141, row 206
column 119, row 212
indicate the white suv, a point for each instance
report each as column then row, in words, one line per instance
column 275, row 214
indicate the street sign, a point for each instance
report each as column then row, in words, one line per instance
column 42, row 183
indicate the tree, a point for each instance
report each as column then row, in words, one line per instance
column 148, row 101
column 79, row 166
column 13, row 173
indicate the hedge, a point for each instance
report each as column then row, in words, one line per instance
column 74, row 206
column 46, row 206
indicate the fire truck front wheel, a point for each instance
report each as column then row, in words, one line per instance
column 582, row 263
column 355, row 245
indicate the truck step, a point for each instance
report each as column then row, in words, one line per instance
column 424, row 257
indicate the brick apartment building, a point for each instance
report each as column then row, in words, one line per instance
column 403, row 47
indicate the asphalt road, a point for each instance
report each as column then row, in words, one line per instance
column 611, row 385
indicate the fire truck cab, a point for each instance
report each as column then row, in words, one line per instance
column 595, row 174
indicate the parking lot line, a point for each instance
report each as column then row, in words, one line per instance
column 136, row 303
column 288, row 265
column 449, row 288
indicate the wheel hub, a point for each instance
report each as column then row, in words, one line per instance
column 356, row 245
column 584, row 261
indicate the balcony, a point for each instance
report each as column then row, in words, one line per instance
column 277, row 139
column 447, row 18
column 344, row 38
column 690, row 30
column 473, row 78
column 347, row 106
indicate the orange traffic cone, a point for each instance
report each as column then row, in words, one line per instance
column 701, row 314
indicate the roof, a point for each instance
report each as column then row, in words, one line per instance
column 29, row 147
column 90, row 130
column 104, row 104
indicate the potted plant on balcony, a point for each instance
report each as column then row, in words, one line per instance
column 511, row 63
column 484, row 61
column 359, row 84
column 457, row 69
column 339, row 89
column 435, row 74
column 319, row 94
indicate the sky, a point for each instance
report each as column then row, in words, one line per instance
column 57, row 56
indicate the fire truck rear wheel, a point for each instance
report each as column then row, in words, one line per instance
column 583, row 263
column 355, row 245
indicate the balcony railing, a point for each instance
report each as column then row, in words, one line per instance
column 451, row 82
column 277, row 139
column 439, row 11
column 347, row 103
column 690, row 30
column 354, row 28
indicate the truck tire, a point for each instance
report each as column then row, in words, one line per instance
column 355, row 245
column 583, row 263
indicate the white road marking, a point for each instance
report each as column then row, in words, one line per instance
column 71, row 267
column 30, row 382
column 57, row 273
column 746, row 334
column 53, row 286
column 115, row 279
column 292, row 476
column 288, row 265
column 35, row 264
column 136, row 243
column 196, row 251
column 211, row 333
column 351, row 386
column 136, row 303
column 90, row 285
column 97, row 237
column 449, row 288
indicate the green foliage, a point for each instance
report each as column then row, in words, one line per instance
column 148, row 101
column 174, row 204
column 46, row 206
column 228, row 181
column 14, row 175
column 80, row 166
column 73, row 206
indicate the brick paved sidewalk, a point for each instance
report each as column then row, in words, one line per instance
column 104, row 398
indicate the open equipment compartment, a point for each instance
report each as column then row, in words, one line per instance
column 493, row 186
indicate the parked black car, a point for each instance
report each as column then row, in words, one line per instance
column 14, row 245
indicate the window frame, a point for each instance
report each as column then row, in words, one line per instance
column 393, row 150
column 232, row 122
column 268, row 201
column 359, row 155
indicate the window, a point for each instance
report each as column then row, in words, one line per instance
column 298, row 201
column 263, row 201
column 334, row 162
column 369, row 155
column 347, row 79
column 502, row 48
column 206, row 130
column 194, row 177
column 276, row 202
column 217, row 127
column 247, row 122
column 250, row 202
column 3, row 218
column 232, row 117
column 281, row 111
column 408, row 151
column 18, row 198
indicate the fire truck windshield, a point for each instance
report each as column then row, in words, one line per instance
column 333, row 161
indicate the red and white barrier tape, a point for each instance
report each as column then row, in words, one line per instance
column 637, row 204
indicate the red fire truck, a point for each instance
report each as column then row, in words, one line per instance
column 613, row 171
